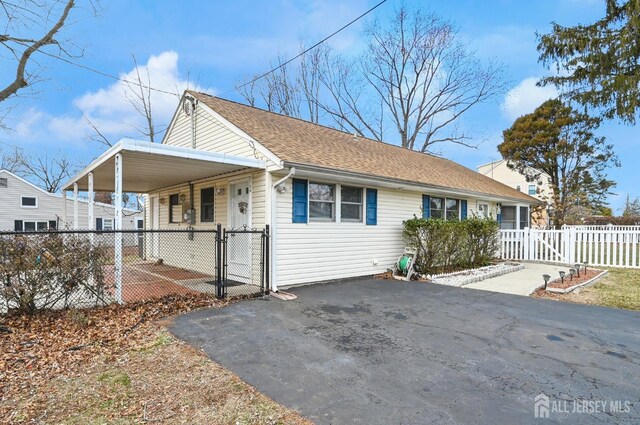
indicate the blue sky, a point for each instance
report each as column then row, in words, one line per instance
column 215, row 44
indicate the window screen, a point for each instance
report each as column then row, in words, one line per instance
column 206, row 205
column 351, row 203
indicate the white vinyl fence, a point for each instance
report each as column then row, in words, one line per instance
column 571, row 245
column 611, row 227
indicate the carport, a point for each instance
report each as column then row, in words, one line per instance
column 141, row 167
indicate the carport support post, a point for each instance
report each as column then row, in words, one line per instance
column 92, row 223
column 76, row 225
column 118, row 228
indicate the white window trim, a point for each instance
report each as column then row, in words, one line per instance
column 336, row 203
column 28, row 206
column 444, row 206
column 35, row 222
column 362, row 201
column 110, row 220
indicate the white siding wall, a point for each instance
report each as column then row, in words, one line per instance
column 50, row 207
column 316, row 252
column 211, row 135
column 198, row 254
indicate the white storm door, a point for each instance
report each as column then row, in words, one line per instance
column 239, row 244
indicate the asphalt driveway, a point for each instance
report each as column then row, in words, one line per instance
column 380, row 352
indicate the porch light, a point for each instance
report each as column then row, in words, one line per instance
column 219, row 191
column 546, row 278
column 162, row 201
column 571, row 273
column 577, row 266
column 562, row 273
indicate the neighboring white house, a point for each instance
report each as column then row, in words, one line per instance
column 539, row 189
column 335, row 202
column 26, row 207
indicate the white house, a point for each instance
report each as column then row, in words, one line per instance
column 335, row 202
column 26, row 207
column 539, row 189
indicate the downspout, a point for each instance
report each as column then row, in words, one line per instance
column 274, row 229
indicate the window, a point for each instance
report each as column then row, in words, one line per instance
column 107, row 224
column 508, row 218
column 453, row 209
column 32, row 226
column 445, row 208
column 206, row 205
column 322, row 202
column 518, row 188
column 437, row 207
column 3, row 182
column 28, row 202
column 483, row 210
column 532, row 189
column 351, row 204
column 175, row 209
column 524, row 217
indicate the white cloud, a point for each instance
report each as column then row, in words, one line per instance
column 526, row 97
column 109, row 109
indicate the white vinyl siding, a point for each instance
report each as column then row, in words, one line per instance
column 211, row 135
column 50, row 207
column 329, row 250
column 320, row 251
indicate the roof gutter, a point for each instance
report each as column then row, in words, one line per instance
column 331, row 172
column 274, row 229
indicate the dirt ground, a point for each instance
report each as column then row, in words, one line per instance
column 119, row 365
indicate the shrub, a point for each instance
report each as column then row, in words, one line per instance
column 444, row 246
column 44, row 271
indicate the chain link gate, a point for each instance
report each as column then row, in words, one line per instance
column 245, row 262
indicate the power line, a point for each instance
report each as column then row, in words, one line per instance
column 149, row 87
column 307, row 50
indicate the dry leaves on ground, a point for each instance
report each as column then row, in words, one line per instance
column 116, row 365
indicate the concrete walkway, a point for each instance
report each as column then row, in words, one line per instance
column 522, row 282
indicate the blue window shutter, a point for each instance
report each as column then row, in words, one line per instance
column 463, row 209
column 426, row 206
column 372, row 207
column 98, row 224
column 300, row 201
column 499, row 218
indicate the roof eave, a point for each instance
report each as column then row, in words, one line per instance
column 409, row 184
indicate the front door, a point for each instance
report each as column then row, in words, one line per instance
column 239, row 244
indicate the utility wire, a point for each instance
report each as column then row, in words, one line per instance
column 307, row 50
column 149, row 87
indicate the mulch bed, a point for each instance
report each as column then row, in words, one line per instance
column 35, row 349
column 569, row 282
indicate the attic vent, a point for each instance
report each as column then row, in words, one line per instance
column 3, row 182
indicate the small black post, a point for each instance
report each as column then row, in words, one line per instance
column 267, row 270
column 219, row 291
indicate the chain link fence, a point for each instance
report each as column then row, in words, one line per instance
column 87, row 268
column 245, row 270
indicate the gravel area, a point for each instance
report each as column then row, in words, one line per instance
column 466, row 277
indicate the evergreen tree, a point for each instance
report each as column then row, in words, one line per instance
column 598, row 65
column 558, row 140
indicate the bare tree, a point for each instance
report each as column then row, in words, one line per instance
column 47, row 172
column 423, row 76
column 139, row 96
column 278, row 91
column 21, row 17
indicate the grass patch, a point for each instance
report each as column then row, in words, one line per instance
column 620, row 288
